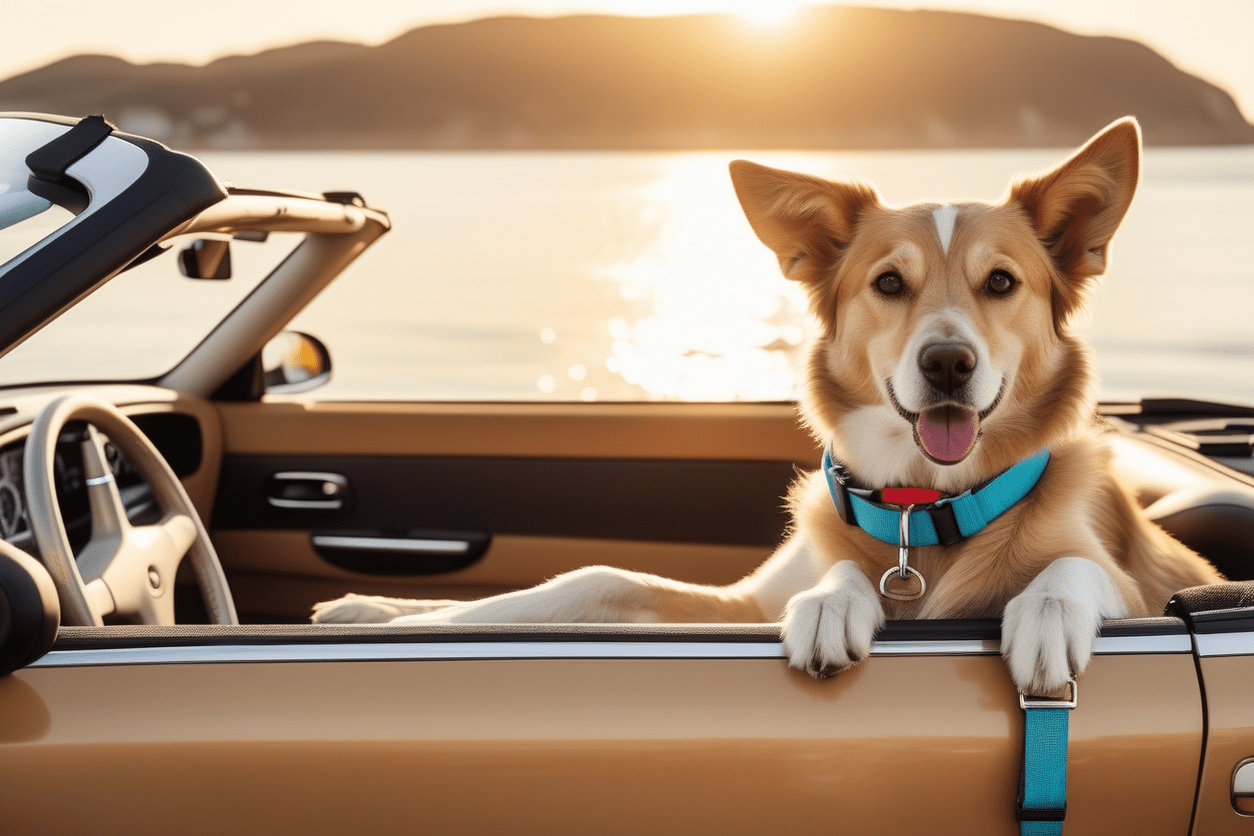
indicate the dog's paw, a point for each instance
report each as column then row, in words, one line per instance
column 370, row 609
column 829, row 627
column 1048, row 630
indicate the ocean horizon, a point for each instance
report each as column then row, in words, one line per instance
column 613, row 276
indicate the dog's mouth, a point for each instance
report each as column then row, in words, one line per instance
column 947, row 433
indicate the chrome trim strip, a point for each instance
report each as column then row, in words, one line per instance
column 306, row 504
column 310, row 476
column 418, row 650
column 404, row 545
column 99, row 480
column 434, row 651
column 1225, row 644
column 1139, row 645
column 957, row 647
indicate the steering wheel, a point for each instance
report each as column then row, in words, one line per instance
column 124, row 570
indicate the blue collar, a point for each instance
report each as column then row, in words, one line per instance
column 943, row 522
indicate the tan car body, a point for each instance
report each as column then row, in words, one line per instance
column 907, row 744
column 577, row 729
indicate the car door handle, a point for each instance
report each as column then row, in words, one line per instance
column 307, row 491
column 1243, row 787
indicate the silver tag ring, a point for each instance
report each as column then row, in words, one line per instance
column 902, row 596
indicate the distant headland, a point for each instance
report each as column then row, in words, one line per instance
column 839, row 78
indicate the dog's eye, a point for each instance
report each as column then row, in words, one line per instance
column 889, row 283
column 1000, row 282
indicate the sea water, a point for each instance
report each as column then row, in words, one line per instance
column 634, row 276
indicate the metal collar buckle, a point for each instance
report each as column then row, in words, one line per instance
column 904, row 571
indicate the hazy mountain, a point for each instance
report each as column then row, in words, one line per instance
column 838, row 78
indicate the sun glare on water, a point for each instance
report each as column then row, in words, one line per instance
column 714, row 320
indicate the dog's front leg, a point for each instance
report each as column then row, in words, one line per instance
column 829, row 627
column 600, row 594
column 1048, row 630
column 371, row 609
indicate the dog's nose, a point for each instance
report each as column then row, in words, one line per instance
column 947, row 366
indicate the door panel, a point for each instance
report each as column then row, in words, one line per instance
column 280, row 573
column 1230, row 716
column 478, row 736
column 692, row 491
column 1225, row 646
column 728, row 502
column 751, row 431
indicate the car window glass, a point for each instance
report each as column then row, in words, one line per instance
column 141, row 323
column 548, row 277
column 25, row 220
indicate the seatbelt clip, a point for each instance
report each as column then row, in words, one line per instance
column 1027, row 703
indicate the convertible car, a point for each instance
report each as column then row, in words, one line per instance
column 165, row 535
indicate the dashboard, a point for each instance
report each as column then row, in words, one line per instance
column 12, row 501
column 176, row 436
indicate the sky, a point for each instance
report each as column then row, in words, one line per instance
column 1210, row 38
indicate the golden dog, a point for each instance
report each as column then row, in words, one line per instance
column 964, row 475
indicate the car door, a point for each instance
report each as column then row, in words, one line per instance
column 1222, row 623
column 558, row 728
column 578, row 729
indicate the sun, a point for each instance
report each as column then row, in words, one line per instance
column 764, row 12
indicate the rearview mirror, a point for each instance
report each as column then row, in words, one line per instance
column 295, row 362
column 206, row 258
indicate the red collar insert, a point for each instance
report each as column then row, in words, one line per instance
column 909, row 496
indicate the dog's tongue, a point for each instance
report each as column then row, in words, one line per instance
column 947, row 433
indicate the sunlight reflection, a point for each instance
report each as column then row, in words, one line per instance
column 720, row 323
column 769, row 13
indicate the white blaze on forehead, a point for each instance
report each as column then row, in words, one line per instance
column 944, row 217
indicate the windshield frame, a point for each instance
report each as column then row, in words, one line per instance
column 133, row 192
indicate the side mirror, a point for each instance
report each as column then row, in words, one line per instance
column 206, row 258
column 295, row 362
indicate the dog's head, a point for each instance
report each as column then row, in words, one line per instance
column 945, row 354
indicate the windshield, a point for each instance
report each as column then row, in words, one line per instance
column 25, row 218
column 141, row 323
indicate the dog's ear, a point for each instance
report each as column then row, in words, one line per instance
column 1076, row 208
column 806, row 221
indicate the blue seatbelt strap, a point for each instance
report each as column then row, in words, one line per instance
column 1042, row 803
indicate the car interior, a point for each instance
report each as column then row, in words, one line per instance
column 306, row 501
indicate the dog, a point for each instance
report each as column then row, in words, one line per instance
column 964, row 473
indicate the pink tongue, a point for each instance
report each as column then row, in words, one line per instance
column 947, row 434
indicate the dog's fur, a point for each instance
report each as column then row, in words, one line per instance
column 889, row 285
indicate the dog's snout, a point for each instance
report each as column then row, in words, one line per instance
column 947, row 366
